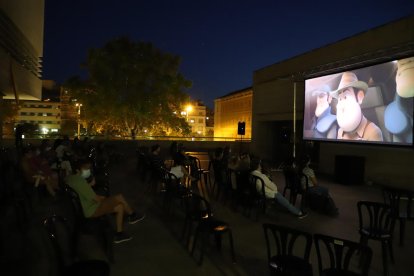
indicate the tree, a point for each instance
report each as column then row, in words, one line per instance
column 132, row 86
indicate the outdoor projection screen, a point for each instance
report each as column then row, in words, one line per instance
column 367, row 105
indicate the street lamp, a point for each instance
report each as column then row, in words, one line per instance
column 189, row 108
column 79, row 105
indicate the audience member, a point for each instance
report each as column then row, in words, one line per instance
column 319, row 197
column 94, row 205
column 271, row 189
column 37, row 171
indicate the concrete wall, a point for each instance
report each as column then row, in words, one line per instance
column 273, row 100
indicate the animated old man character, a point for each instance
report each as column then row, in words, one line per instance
column 324, row 123
column 353, row 125
column 398, row 115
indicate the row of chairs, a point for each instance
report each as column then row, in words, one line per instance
column 288, row 252
column 376, row 222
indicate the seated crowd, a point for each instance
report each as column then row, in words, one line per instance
column 77, row 165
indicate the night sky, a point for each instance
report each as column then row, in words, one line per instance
column 220, row 42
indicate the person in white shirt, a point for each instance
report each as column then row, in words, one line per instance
column 271, row 189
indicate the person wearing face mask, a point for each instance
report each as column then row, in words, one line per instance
column 94, row 205
column 353, row 125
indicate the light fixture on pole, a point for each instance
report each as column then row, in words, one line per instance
column 79, row 105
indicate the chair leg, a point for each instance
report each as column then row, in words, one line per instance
column 402, row 231
column 391, row 251
column 233, row 255
column 384, row 258
column 217, row 237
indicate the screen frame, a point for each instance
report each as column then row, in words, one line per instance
column 340, row 70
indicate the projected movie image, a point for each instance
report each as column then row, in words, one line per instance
column 369, row 105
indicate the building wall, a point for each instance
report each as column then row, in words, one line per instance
column 197, row 119
column 231, row 109
column 45, row 114
column 21, row 50
column 273, row 101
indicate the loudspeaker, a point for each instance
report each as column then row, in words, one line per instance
column 241, row 128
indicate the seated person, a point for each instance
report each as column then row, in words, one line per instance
column 240, row 163
column 178, row 169
column 328, row 206
column 94, row 205
column 271, row 189
column 37, row 171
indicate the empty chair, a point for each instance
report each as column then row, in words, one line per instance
column 401, row 202
column 376, row 222
column 63, row 239
column 198, row 211
column 341, row 257
column 288, row 250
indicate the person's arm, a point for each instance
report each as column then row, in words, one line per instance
column 99, row 198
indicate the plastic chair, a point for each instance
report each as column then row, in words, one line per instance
column 198, row 210
column 64, row 244
column 401, row 203
column 341, row 256
column 376, row 222
column 203, row 173
column 173, row 190
column 221, row 178
column 99, row 227
column 257, row 198
column 294, row 184
column 285, row 254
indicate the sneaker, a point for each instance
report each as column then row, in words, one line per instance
column 135, row 217
column 121, row 237
column 302, row 215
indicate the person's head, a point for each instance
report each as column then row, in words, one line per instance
column 82, row 167
column 306, row 161
column 323, row 99
column 405, row 77
column 29, row 151
column 350, row 94
column 218, row 154
column 255, row 164
column 156, row 149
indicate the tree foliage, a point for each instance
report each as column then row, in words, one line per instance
column 132, row 87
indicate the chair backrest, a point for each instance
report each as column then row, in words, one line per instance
column 76, row 204
column 171, row 181
column 400, row 201
column 197, row 207
column 219, row 171
column 293, row 180
column 254, row 181
column 63, row 239
column 282, row 240
column 338, row 255
column 375, row 217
